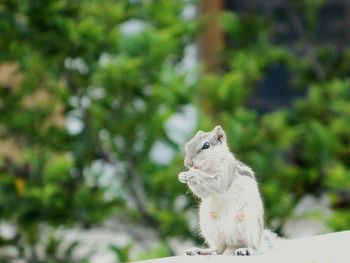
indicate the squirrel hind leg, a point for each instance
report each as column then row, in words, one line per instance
column 245, row 251
column 269, row 241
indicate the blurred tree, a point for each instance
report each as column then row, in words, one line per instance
column 86, row 87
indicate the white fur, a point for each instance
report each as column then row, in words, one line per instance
column 231, row 211
column 227, row 230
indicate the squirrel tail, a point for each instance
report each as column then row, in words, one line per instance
column 268, row 241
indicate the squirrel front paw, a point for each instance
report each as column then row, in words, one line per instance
column 184, row 177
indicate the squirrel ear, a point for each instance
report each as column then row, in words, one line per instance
column 219, row 134
column 199, row 132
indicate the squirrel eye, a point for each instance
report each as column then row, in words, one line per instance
column 206, row 145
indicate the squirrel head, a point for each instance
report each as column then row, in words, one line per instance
column 206, row 149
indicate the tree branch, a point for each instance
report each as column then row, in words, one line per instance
column 139, row 192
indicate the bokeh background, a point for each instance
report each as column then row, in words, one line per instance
column 97, row 99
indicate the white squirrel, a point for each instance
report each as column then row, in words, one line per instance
column 231, row 211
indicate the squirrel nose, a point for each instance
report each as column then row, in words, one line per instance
column 188, row 163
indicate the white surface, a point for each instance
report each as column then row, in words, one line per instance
column 326, row 248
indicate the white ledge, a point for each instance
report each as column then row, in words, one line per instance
column 328, row 248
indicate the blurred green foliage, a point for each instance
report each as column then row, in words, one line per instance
column 110, row 69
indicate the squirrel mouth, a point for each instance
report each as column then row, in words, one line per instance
column 195, row 166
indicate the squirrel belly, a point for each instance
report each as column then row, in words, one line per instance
column 234, row 218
